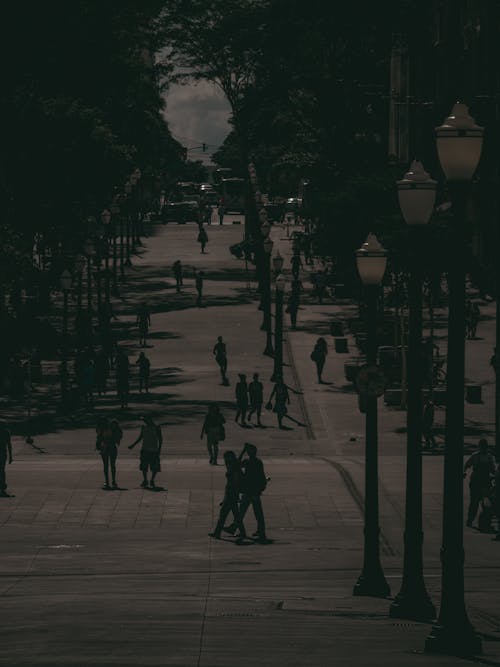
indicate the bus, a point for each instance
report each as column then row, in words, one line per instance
column 233, row 195
column 186, row 191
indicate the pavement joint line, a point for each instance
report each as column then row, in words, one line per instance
column 305, row 414
column 359, row 500
column 390, row 498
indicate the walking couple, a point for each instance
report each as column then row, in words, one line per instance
column 245, row 477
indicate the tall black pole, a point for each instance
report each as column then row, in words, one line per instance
column 122, row 250
column 412, row 601
column 496, row 367
column 371, row 581
column 115, row 263
column 278, row 337
column 268, row 350
column 64, row 361
column 453, row 633
column 89, row 286
column 79, row 293
column 98, row 278
column 127, row 234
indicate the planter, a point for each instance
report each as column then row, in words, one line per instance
column 350, row 372
column 336, row 328
column 341, row 345
column 473, row 393
column 392, row 397
column 439, row 396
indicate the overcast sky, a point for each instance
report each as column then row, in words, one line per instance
column 196, row 114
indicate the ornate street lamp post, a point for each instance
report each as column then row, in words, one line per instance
column 66, row 281
column 278, row 336
column 79, row 267
column 89, row 252
column 128, row 190
column 459, row 143
column 267, row 245
column 106, row 220
column 371, row 260
column 417, row 194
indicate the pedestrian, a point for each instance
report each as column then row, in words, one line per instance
column 144, row 322
column 122, row 377
column 213, row 427
column 88, row 382
column 293, row 308
column 468, row 312
column 281, row 401
column 256, row 395
column 109, row 435
column 483, row 470
column 5, row 456
column 199, row 288
column 152, row 440
column 221, row 212
column 296, row 264
column 231, row 495
column 475, row 314
column 101, row 371
column 254, row 482
column 428, row 424
column 495, row 361
column 221, row 358
column 496, row 502
column 202, row 239
column 207, row 214
column 320, row 284
column 177, row 269
column 144, row 368
column 241, row 393
column 318, row 355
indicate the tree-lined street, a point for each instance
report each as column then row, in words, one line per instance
column 92, row 577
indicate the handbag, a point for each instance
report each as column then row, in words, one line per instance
column 269, row 405
column 222, row 434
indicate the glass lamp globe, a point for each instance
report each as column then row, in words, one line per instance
column 416, row 194
column 106, row 216
column 281, row 283
column 278, row 262
column 66, row 280
column 371, row 261
column 268, row 246
column 459, row 142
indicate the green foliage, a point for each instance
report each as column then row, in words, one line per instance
column 82, row 107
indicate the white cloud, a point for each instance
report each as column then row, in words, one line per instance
column 196, row 114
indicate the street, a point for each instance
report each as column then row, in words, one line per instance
column 130, row 577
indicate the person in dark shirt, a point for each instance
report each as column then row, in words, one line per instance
column 256, row 394
column 253, row 485
column 483, row 470
column 220, row 354
column 241, row 391
column 5, row 455
column 231, row 495
column 177, row 269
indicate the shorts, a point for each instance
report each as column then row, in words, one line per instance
column 150, row 460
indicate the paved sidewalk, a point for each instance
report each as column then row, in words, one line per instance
column 130, row 577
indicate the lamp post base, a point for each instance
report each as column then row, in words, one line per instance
column 372, row 584
column 268, row 351
column 414, row 605
column 459, row 640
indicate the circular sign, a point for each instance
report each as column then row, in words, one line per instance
column 370, row 381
